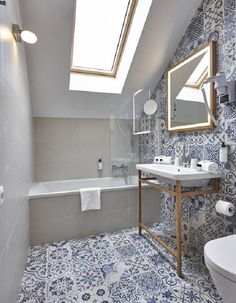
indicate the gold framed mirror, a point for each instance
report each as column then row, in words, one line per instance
column 186, row 108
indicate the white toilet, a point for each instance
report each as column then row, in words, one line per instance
column 220, row 259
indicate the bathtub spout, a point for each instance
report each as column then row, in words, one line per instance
column 121, row 170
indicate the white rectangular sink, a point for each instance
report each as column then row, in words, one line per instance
column 180, row 173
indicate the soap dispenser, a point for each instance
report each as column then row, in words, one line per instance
column 100, row 166
column 223, row 153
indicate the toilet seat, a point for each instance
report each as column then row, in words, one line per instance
column 220, row 254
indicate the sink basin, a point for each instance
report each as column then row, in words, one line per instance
column 173, row 172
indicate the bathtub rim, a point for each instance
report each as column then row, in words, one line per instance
column 48, row 194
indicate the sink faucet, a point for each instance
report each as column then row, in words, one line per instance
column 179, row 150
column 186, row 160
column 187, row 155
column 182, row 151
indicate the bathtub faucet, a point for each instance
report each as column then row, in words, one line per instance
column 122, row 166
column 121, row 170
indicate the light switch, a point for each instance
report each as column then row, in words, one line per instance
column 1, row 195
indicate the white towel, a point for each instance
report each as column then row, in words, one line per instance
column 90, row 198
column 209, row 167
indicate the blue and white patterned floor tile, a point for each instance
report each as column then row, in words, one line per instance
column 120, row 267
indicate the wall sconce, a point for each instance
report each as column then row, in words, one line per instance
column 22, row 35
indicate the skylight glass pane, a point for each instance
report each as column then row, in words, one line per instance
column 199, row 70
column 190, row 94
column 98, row 26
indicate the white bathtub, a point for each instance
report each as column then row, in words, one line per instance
column 55, row 210
column 65, row 187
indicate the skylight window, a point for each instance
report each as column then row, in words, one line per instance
column 101, row 28
column 106, row 35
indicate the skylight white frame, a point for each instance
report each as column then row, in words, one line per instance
column 199, row 82
column 106, row 84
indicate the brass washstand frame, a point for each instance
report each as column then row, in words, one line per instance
column 178, row 210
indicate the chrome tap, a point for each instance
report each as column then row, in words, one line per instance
column 122, row 171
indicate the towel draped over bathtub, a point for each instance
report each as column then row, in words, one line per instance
column 90, row 198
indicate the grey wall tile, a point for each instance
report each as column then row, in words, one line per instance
column 67, row 148
column 60, row 218
column 15, row 155
column 70, row 148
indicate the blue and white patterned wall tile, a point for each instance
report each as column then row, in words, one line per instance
column 229, row 5
column 214, row 20
column 232, row 158
column 230, row 131
column 230, row 111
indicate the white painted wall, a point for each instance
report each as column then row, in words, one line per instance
column 15, row 155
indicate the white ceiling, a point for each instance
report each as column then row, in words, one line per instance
column 49, row 59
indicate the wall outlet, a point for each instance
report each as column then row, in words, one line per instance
column 1, row 195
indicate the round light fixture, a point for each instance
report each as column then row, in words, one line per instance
column 28, row 37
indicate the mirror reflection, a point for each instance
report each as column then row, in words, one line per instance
column 186, row 108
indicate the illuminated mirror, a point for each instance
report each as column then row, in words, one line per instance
column 143, row 109
column 186, row 108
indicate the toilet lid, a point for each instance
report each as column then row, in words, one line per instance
column 220, row 254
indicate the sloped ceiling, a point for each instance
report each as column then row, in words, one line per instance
column 49, row 59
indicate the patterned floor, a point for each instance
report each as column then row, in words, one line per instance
column 116, row 267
